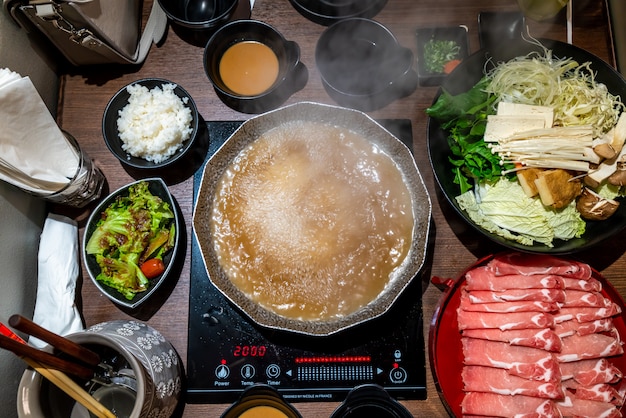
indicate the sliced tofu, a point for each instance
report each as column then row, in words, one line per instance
column 557, row 188
column 500, row 127
column 518, row 109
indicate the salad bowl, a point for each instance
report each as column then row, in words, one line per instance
column 462, row 79
column 158, row 188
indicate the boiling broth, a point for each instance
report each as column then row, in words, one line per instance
column 310, row 220
column 249, row 68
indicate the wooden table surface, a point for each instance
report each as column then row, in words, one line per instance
column 85, row 93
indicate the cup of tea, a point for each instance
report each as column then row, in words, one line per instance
column 142, row 377
column 252, row 67
column 261, row 401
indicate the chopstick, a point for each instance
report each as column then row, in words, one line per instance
column 59, row 379
column 62, row 344
column 25, row 350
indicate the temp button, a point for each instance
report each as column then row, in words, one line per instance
column 398, row 375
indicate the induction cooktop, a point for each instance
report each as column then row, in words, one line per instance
column 227, row 352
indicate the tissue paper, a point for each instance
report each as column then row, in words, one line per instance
column 58, row 264
column 31, row 143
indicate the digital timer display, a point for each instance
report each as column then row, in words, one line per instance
column 249, row 351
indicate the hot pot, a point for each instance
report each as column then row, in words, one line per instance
column 359, row 123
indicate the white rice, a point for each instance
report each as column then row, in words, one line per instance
column 155, row 123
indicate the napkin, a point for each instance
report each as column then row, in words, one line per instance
column 58, row 267
column 34, row 153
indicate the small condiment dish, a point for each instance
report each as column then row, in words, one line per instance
column 290, row 75
column 157, row 187
column 435, row 43
column 363, row 66
column 111, row 133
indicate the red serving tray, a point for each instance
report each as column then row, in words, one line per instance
column 445, row 350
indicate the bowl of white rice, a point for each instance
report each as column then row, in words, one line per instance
column 150, row 123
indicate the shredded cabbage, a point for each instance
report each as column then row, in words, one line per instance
column 561, row 83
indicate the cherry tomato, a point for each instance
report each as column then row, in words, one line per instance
column 152, row 268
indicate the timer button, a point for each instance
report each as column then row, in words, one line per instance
column 398, row 375
column 273, row 371
column 222, row 371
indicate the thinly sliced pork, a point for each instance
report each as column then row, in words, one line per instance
column 544, row 339
column 577, row 347
column 504, row 321
column 528, row 264
column 590, row 285
column 493, row 380
column 526, row 362
column 581, row 298
column 574, row 407
column 491, row 404
column 591, row 372
column 571, row 327
column 483, row 278
column 507, row 307
column 512, row 295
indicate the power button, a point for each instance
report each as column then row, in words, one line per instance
column 398, row 375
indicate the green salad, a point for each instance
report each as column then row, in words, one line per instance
column 130, row 240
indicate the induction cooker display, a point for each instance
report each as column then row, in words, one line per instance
column 227, row 352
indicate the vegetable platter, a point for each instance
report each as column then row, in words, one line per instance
column 131, row 241
column 469, row 76
column 485, row 351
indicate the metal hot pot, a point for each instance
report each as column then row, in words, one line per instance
column 359, row 123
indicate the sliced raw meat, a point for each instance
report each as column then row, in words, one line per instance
column 576, row 347
column 579, row 298
column 601, row 392
column 504, row 321
column 528, row 264
column 586, row 314
column 571, row 327
column 545, row 339
column 511, row 295
column 527, row 362
column 574, row 407
column 507, row 307
column 591, row 372
column 493, row 380
column 483, row 278
column 591, row 285
column 491, row 404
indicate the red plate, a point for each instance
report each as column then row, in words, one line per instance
column 445, row 351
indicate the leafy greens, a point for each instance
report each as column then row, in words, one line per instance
column 464, row 118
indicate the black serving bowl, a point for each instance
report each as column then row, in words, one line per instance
column 468, row 73
column 199, row 14
column 292, row 74
column 327, row 12
column 111, row 134
column 362, row 65
column 158, row 188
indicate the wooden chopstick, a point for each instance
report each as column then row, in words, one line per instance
column 42, row 357
column 60, row 380
column 62, row 344
column 71, row 388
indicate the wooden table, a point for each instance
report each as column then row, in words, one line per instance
column 86, row 92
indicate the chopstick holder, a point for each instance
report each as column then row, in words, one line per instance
column 56, row 377
column 58, row 269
